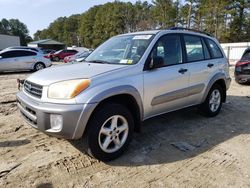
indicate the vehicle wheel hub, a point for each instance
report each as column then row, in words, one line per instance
column 215, row 100
column 113, row 134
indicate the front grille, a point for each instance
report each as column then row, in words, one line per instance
column 33, row 89
column 25, row 111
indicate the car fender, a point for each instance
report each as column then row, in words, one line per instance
column 92, row 104
column 215, row 78
column 119, row 90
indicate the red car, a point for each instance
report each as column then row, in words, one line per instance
column 61, row 54
column 79, row 55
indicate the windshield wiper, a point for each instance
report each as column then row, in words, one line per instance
column 99, row 61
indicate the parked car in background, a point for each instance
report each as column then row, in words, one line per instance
column 21, row 59
column 126, row 80
column 61, row 54
column 242, row 69
column 25, row 48
column 77, row 57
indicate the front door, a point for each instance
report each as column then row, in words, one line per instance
column 166, row 88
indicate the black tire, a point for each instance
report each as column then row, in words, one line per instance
column 206, row 107
column 39, row 66
column 57, row 59
column 91, row 136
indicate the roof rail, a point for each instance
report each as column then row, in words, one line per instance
column 194, row 30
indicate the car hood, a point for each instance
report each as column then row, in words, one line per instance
column 70, row 72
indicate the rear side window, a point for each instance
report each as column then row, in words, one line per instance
column 194, row 48
column 26, row 53
column 215, row 50
column 72, row 51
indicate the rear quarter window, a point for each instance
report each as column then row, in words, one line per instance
column 214, row 48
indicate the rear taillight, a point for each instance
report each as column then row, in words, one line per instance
column 239, row 63
column 46, row 56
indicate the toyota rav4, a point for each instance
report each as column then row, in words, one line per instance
column 126, row 80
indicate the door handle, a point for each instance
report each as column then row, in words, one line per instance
column 210, row 65
column 182, row 71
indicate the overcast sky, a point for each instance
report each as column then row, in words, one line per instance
column 38, row 14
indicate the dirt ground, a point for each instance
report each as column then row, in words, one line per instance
column 217, row 150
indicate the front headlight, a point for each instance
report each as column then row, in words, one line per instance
column 67, row 89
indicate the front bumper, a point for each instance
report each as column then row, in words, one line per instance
column 37, row 114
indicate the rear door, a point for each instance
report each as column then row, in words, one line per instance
column 25, row 60
column 201, row 65
column 166, row 88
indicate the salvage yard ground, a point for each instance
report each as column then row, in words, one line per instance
column 216, row 152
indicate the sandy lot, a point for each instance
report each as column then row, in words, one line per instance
column 219, row 156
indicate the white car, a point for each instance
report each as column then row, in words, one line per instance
column 20, row 59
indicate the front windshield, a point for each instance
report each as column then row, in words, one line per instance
column 121, row 50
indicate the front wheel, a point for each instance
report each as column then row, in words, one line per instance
column 39, row 66
column 109, row 132
column 212, row 105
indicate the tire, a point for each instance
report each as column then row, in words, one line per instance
column 57, row 59
column 39, row 66
column 212, row 106
column 101, row 138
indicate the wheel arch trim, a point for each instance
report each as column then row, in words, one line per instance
column 214, row 79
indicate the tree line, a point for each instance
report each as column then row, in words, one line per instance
column 16, row 28
column 228, row 20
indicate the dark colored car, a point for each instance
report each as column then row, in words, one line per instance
column 242, row 69
column 61, row 54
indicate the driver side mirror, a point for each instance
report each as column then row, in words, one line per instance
column 156, row 62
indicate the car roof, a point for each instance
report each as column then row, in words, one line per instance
column 172, row 30
column 21, row 47
column 10, row 50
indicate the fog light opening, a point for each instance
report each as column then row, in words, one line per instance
column 56, row 122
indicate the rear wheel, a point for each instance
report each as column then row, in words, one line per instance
column 212, row 105
column 39, row 66
column 109, row 132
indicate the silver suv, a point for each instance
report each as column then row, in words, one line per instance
column 125, row 81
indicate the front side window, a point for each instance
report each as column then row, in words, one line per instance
column 216, row 52
column 194, row 48
column 126, row 49
column 168, row 48
column 10, row 54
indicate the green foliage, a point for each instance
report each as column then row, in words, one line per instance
column 228, row 20
column 17, row 28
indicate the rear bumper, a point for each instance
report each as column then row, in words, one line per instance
column 242, row 78
column 38, row 115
